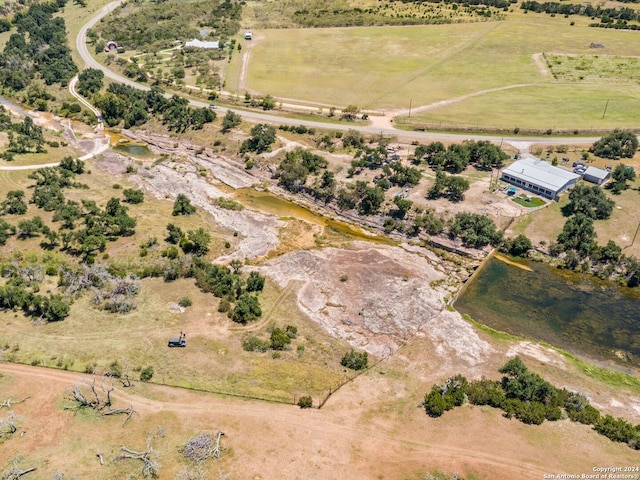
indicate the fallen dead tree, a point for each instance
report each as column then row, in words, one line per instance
column 98, row 398
column 150, row 464
column 10, row 401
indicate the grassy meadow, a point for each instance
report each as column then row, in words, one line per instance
column 214, row 359
column 386, row 68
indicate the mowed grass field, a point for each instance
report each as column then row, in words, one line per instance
column 387, row 68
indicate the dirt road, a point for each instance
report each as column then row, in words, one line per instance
column 272, row 438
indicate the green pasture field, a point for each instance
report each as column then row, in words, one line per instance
column 387, row 68
column 547, row 106
column 595, row 68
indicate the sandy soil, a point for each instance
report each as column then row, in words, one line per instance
column 367, row 431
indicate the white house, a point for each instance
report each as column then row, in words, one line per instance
column 596, row 175
column 200, row 44
column 539, row 177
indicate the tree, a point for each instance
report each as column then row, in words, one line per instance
column 247, row 309
column 262, row 137
column 55, row 308
column 279, row 339
column 403, row 205
column 182, row 206
column 90, row 81
column 518, row 246
column 355, row 360
column 621, row 174
column 616, row 145
column 372, row 199
column 474, row 230
column 133, row 196
column 255, row 282
column 199, row 241
column 590, row 201
column 230, row 121
column 349, row 113
column 175, row 234
column 14, row 204
column 268, row 103
column 578, row 234
column 146, row 374
column 353, row 138
column 5, row 231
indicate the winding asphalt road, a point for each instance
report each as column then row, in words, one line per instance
column 521, row 143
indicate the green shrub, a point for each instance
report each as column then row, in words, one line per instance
column 279, row 339
column 305, row 402
column 355, row 360
column 146, row 374
column 252, row 343
column 185, row 302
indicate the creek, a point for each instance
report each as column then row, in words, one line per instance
column 576, row 312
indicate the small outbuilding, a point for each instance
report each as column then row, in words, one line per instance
column 539, row 177
column 200, row 44
column 596, row 175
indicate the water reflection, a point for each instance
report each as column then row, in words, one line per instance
column 578, row 313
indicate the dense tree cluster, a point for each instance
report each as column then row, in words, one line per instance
column 475, row 230
column 606, row 15
column 450, row 186
column 616, row 145
column 90, row 81
column 121, row 103
column 456, row 157
column 296, row 166
column 528, row 397
column 229, row 285
column 38, row 48
column 577, row 244
column 619, row 178
column 590, row 201
column 362, row 197
column 20, row 292
column 262, row 137
column 24, row 137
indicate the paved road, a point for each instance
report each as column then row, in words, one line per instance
column 520, row 142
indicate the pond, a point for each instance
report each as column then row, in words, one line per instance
column 133, row 150
column 578, row 313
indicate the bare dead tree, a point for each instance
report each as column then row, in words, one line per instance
column 150, row 464
column 98, row 398
column 124, row 378
column 8, row 426
column 120, row 411
column 100, row 457
column 88, row 395
column 15, row 472
column 10, row 401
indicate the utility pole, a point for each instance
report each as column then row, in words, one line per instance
column 410, row 101
column 605, row 108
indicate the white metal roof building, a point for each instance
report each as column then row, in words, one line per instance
column 596, row 175
column 200, row 44
column 539, row 177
